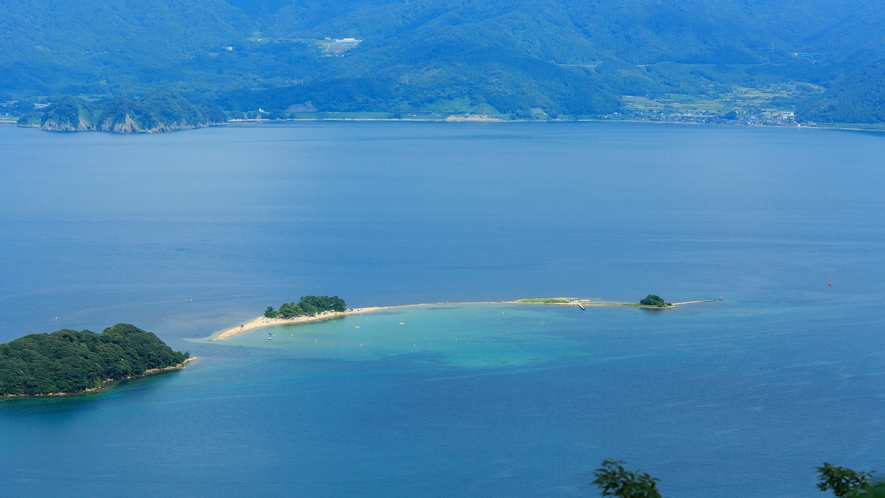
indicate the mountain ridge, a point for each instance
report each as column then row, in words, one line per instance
column 568, row 58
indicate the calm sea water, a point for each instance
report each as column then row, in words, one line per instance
column 187, row 233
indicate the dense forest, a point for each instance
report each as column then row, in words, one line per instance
column 538, row 59
column 68, row 361
column 307, row 306
column 654, row 300
column 158, row 111
column 857, row 98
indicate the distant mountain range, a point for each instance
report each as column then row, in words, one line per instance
column 541, row 59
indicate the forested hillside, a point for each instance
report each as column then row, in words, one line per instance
column 856, row 98
column 516, row 58
column 68, row 361
column 157, row 111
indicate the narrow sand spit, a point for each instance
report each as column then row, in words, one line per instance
column 261, row 321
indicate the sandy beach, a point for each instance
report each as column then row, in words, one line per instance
column 262, row 321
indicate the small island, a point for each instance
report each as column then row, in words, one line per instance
column 307, row 306
column 654, row 301
column 71, row 362
column 307, row 309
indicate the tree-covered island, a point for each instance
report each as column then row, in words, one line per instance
column 307, row 306
column 71, row 362
column 654, row 301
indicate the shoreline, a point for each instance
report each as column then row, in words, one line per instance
column 107, row 384
column 875, row 128
column 805, row 126
column 260, row 322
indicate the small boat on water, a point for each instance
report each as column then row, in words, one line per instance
column 269, row 337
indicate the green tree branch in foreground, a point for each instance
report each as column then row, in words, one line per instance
column 845, row 482
column 616, row 481
column 874, row 490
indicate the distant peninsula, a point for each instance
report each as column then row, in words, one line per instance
column 71, row 362
column 306, row 310
column 156, row 112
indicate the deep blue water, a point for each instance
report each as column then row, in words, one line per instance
column 738, row 398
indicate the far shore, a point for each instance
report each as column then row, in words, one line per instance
column 460, row 118
column 492, row 119
column 262, row 321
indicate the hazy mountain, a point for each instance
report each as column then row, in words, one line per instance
column 856, row 98
column 106, row 46
column 566, row 57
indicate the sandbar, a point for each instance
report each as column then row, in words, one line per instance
column 262, row 321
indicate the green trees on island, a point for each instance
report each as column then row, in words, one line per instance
column 68, row 361
column 654, row 300
column 613, row 479
column 307, row 305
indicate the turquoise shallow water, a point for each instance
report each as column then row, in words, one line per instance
column 467, row 336
column 188, row 233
